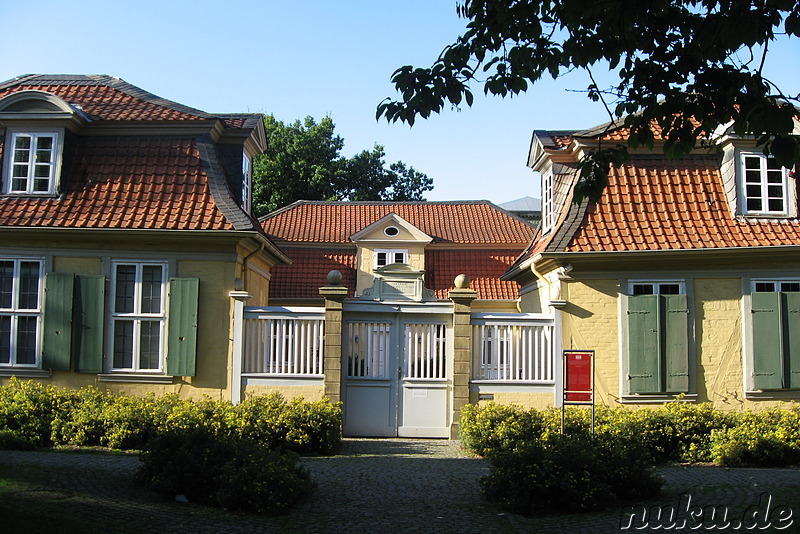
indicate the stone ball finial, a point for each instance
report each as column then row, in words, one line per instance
column 334, row 278
column 461, row 281
column 238, row 284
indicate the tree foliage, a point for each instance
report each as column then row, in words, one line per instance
column 303, row 162
column 684, row 67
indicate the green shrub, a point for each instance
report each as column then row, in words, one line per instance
column 225, row 471
column 569, row 473
column 296, row 425
column 14, row 441
column 28, row 408
column 677, row 431
column 764, row 438
column 82, row 421
column 91, row 417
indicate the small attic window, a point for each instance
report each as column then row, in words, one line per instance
column 765, row 185
column 33, row 165
column 391, row 231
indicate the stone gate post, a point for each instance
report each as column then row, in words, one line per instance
column 462, row 298
column 334, row 295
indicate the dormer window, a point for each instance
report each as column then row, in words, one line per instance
column 764, row 185
column 246, row 181
column 548, row 207
column 384, row 257
column 32, row 163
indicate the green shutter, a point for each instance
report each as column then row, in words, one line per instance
column 57, row 338
column 182, row 321
column 791, row 329
column 644, row 368
column 767, row 341
column 89, row 305
column 676, row 342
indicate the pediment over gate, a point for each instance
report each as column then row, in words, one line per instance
column 398, row 282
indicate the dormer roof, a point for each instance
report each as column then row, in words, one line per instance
column 653, row 203
column 166, row 176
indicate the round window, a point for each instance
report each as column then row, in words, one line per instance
column 391, row 231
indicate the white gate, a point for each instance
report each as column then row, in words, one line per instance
column 396, row 376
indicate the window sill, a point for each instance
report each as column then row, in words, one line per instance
column 134, row 377
column 658, row 398
column 778, row 394
column 25, row 373
column 30, row 195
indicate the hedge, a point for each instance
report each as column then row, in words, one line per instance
column 46, row 415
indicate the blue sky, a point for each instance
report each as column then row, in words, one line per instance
column 294, row 58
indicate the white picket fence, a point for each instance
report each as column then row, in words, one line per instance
column 513, row 348
column 283, row 342
column 506, row 347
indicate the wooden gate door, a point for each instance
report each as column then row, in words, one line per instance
column 396, row 376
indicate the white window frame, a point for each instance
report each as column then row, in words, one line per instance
column 548, row 204
column 764, row 185
column 391, row 253
column 657, row 284
column 776, row 281
column 137, row 317
column 55, row 163
column 15, row 312
column 247, row 174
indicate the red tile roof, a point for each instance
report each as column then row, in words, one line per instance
column 652, row 203
column 309, row 272
column 476, row 222
column 121, row 182
column 310, row 268
column 483, row 267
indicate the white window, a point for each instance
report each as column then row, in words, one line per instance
column 32, row 167
column 384, row 257
column 773, row 286
column 657, row 288
column 20, row 311
column 764, row 185
column 246, row 182
column 138, row 316
column 548, row 208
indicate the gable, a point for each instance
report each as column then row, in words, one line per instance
column 391, row 230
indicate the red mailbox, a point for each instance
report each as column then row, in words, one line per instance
column 578, row 377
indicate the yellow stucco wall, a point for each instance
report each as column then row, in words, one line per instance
column 309, row 393
column 589, row 322
column 718, row 334
column 366, row 262
column 71, row 264
column 538, row 400
column 213, row 336
column 532, row 301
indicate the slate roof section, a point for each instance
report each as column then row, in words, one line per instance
column 653, row 203
column 309, row 272
column 458, row 222
column 107, row 98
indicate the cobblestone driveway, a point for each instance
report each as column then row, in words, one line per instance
column 383, row 486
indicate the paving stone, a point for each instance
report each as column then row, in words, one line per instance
column 386, row 485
